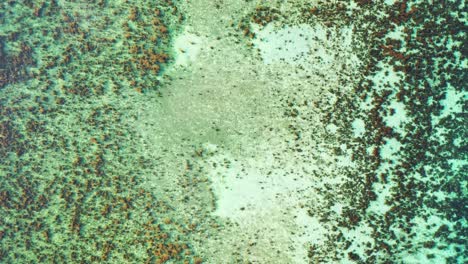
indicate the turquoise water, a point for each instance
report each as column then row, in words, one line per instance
column 232, row 132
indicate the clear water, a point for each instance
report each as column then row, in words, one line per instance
column 232, row 132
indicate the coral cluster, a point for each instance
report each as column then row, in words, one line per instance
column 71, row 177
column 407, row 199
column 426, row 202
column 369, row 134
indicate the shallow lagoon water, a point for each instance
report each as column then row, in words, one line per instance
column 232, row 132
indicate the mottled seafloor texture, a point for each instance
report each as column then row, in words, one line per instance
column 233, row 131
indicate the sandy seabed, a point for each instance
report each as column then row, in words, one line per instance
column 232, row 132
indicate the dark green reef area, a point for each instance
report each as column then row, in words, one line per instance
column 73, row 186
column 70, row 179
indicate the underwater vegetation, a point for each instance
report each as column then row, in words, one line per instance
column 70, row 179
column 428, row 56
column 414, row 61
column 74, row 171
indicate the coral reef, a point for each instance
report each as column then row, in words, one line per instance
column 356, row 151
column 70, row 188
column 406, row 202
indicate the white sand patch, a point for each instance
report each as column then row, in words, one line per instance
column 253, row 187
column 367, row 104
column 390, row 2
column 261, row 197
column 390, row 148
column 360, row 235
column 345, row 160
column 240, row 191
column 289, row 44
column 187, row 47
column 261, row 178
column 452, row 101
column 312, row 230
column 397, row 33
column 305, row 45
column 457, row 164
column 378, row 206
column 332, row 128
column 359, row 127
column 399, row 118
column 424, row 228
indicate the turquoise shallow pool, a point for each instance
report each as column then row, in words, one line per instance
column 232, row 132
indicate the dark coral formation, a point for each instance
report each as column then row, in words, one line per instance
column 71, row 179
column 429, row 56
column 430, row 67
column 13, row 66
